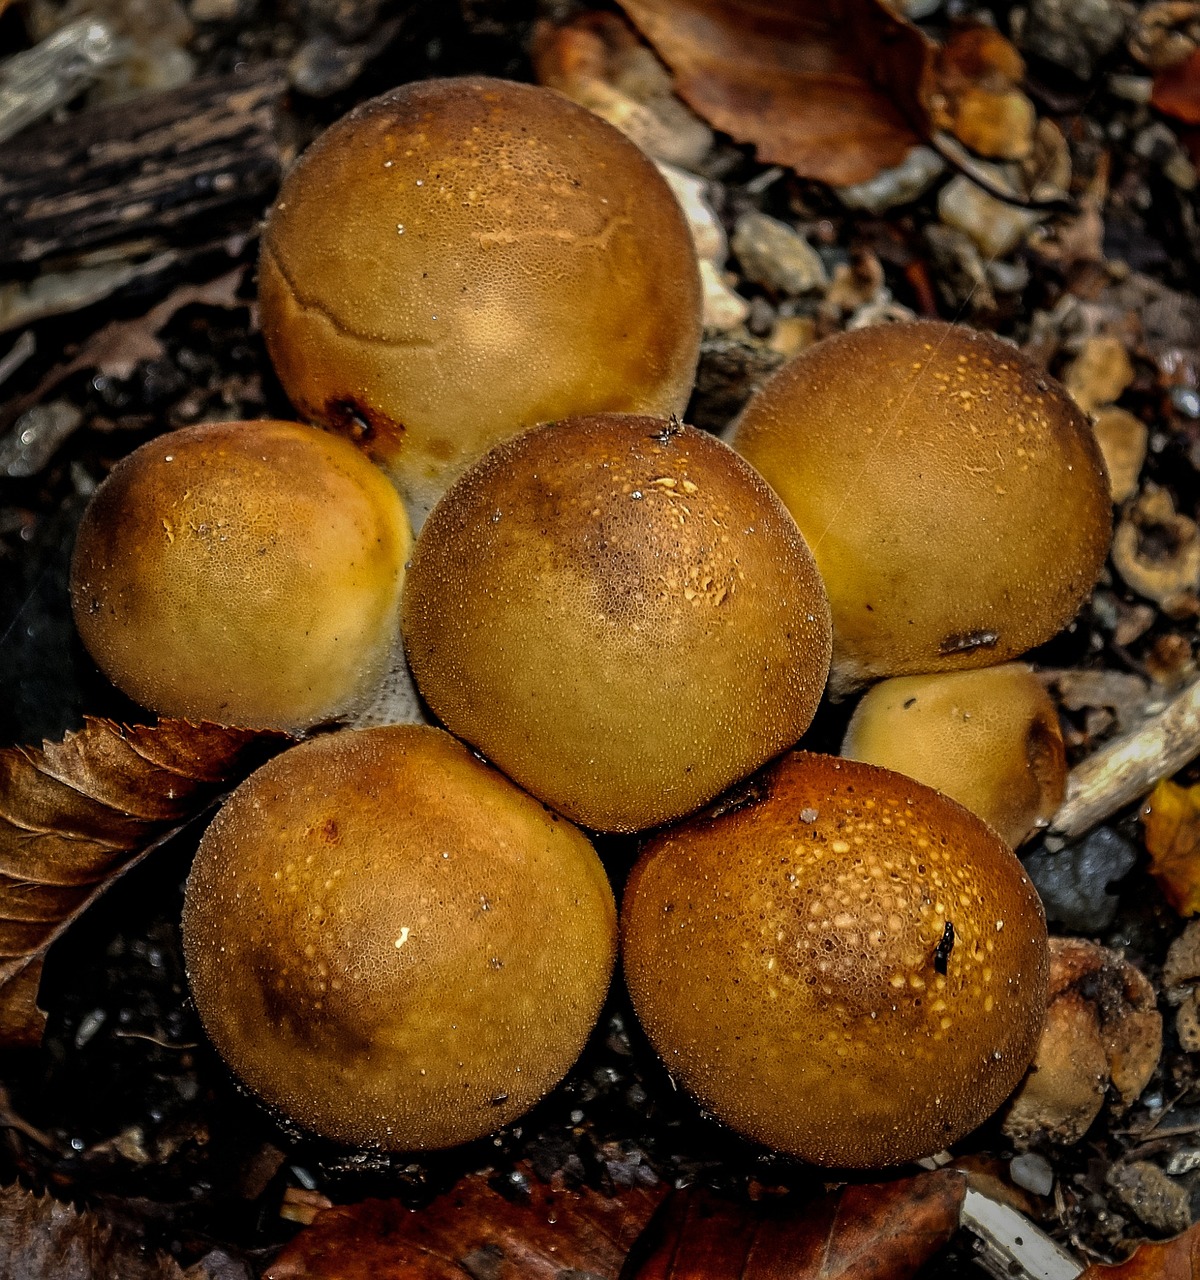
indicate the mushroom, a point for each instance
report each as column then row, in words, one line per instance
column 391, row 944
column 989, row 739
column 246, row 573
column 619, row 613
column 844, row 964
column 953, row 494
column 459, row 259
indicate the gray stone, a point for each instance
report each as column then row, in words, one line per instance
column 1073, row 882
column 1075, row 34
column 776, row 255
column 1033, row 1172
column 908, row 181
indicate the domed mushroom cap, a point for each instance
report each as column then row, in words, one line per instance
column 847, row 966
column 989, row 739
column 952, row 493
column 619, row 613
column 460, row 259
column 391, row 943
column 247, row 573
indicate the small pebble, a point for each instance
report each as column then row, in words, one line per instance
column 88, row 1027
column 995, row 227
column 723, row 308
column 1073, row 883
column 1033, row 1172
column 692, row 193
column 908, row 181
column 1185, row 1161
column 777, row 256
column 1186, row 400
column 1075, row 34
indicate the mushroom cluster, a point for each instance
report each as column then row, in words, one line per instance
column 396, row 942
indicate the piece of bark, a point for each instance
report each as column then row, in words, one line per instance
column 148, row 169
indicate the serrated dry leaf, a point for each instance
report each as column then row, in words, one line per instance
column 1171, row 823
column 884, row 1231
column 835, row 89
column 80, row 812
column 43, row 1239
column 1178, row 1259
column 473, row 1231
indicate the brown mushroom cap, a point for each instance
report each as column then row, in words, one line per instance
column 247, row 573
column 952, row 493
column 391, row 943
column 786, row 960
column 620, row 614
column 460, row 259
column 989, row 739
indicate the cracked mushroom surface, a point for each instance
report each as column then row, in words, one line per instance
column 952, row 492
column 460, row 259
column 989, row 739
column 392, row 944
column 246, row 573
column 839, row 962
column 619, row 613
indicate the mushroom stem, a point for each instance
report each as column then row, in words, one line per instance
column 1128, row 767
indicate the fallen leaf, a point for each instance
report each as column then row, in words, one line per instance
column 1171, row 824
column 884, row 1231
column 1176, row 90
column 473, row 1231
column 80, row 812
column 978, row 73
column 41, row 1238
column 121, row 345
column 598, row 60
column 835, row 89
column 1178, row 1259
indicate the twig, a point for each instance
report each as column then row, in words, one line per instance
column 1011, row 1247
column 1129, row 767
column 960, row 159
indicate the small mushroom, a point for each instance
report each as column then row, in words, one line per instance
column 621, row 614
column 460, row 259
column 1102, row 1026
column 246, row 573
column 953, row 494
column 391, row 944
column 989, row 739
column 838, row 962
column 1157, row 552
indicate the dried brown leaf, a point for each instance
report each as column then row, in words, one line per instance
column 473, row 1231
column 80, row 812
column 835, row 89
column 1178, row 1259
column 1177, row 90
column 885, row 1231
column 1171, row 823
column 41, row 1238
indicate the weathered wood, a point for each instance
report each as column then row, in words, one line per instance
column 150, row 168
